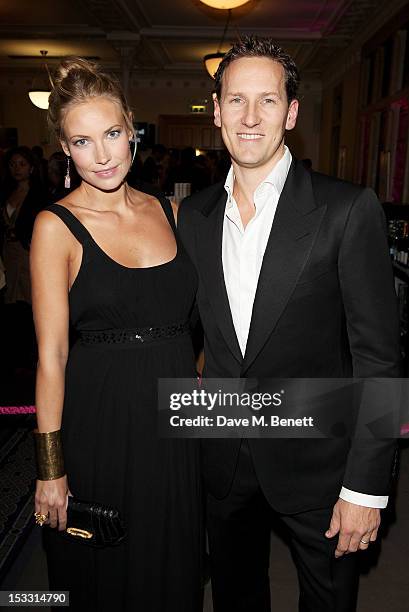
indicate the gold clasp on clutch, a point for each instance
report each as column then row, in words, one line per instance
column 79, row 533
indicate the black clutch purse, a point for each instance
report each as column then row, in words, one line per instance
column 93, row 524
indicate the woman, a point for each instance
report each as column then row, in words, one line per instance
column 107, row 259
column 22, row 198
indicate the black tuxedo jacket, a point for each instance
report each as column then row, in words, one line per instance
column 325, row 306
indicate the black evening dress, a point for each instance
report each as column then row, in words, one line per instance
column 112, row 452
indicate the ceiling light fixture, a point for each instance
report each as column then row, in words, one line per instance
column 212, row 60
column 224, row 4
column 39, row 97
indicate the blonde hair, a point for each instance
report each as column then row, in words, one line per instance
column 76, row 80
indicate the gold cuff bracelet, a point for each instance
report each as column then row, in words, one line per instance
column 50, row 460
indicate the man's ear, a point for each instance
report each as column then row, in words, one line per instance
column 216, row 112
column 292, row 115
column 65, row 148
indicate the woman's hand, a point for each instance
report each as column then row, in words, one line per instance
column 51, row 498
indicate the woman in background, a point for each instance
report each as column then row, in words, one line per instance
column 22, row 197
column 107, row 258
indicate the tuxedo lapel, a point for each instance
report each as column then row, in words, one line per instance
column 292, row 236
column 210, row 236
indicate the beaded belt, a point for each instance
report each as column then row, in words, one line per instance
column 137, row 335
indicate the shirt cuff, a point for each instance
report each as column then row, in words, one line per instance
column 362, row 499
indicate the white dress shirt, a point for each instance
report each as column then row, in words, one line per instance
column 242, row 255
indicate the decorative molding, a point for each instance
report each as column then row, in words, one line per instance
column 52, row 32
column 123, row 37
column 188, row 33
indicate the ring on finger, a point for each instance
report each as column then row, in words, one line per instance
column 40, row 518
column 365, row 541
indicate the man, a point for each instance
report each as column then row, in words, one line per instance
column 295, row 281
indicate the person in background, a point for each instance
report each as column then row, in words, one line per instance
column 185, row 170
column 212, row 163
column 192, row 169
column 22, row 197
column 171, row 162
column 152, row 171
column 135, row 172
column 201, row 173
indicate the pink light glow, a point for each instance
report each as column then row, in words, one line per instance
column 17, row 410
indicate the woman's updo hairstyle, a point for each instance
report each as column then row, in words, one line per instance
column 76, row 81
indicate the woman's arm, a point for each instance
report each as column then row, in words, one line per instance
column 49, row 262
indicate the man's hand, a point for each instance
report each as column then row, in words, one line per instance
column 356, row 525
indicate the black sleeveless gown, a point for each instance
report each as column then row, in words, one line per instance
column 109, row 430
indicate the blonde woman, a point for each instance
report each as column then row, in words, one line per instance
column 107, row 259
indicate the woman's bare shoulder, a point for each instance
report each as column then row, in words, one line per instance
column 47, row 221
column 51, row 229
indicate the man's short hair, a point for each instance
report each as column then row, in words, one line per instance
column 253, row 46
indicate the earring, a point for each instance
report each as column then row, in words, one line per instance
column 133, row 141
column 67, row 181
